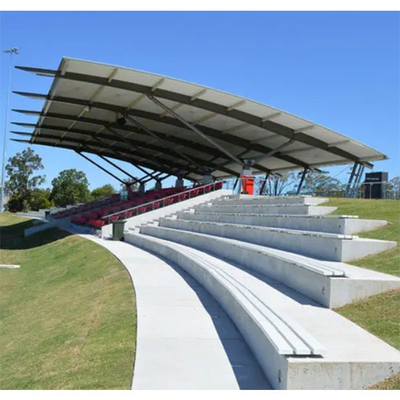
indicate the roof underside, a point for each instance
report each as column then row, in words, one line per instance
column 177, row 127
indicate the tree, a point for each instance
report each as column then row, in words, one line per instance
column 20, row 170
column 317, row 182
column 394, row 184
column 40, row 199
column 276, row 184
column 70, row 187
column 101, row 192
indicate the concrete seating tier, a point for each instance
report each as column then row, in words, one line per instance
column 265, row 200
column 321, row 245
column 278, row 298
column 270, row 334
column 340, row 224
column 280, row 209
column 298, row 344
column 292, row 270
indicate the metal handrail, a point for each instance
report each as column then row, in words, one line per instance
column 213, row 184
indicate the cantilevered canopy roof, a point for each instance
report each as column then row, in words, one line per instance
column 177, row 127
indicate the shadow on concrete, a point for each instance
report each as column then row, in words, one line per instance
column 249, row 374
column 287, row 291
column 12, row 236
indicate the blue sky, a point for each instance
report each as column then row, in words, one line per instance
column 338, row 69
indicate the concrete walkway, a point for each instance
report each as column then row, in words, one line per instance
column 185, row 340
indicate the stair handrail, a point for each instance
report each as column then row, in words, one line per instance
column 213, row 184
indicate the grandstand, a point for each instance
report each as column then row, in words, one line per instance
column 256, row 276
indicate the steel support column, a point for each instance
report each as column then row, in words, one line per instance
column 352, row 192
column 263, row 184
column 349, row 183
column 303, row 176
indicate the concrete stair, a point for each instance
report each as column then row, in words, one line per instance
column 279, row 298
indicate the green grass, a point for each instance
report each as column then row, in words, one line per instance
column 67, row 316
column 387, row 262
column 379, row 314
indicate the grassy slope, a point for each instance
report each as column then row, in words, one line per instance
column 379, row 314
column 67, row 315
column 389, row 210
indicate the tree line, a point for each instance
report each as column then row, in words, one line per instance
column 69, row 187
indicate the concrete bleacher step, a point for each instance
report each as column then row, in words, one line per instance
column 295, row 341
column 329, row 283
column 321, row 245
column 340, row 224
column 293, row 209
column 265, row 200
column 293, row 270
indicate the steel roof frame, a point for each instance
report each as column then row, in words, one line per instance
column 231, row 112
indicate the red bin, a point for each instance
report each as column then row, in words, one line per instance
column 247, row 184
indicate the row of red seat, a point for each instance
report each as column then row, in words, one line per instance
column 152, row 200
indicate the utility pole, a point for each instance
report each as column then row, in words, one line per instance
column 11, row 51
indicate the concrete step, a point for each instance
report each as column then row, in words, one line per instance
column 270, row 334
column 330, row 283
column 321, row 245
column 307, row 276
column 246, row 199
column 340, row 224
column 295, row 341
column 281, row 209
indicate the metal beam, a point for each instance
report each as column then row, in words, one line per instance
column 128, row 128
column 156, row 178
column 195, row 129
column 165, row 143
column 303, row 176
column 131, row 142
column 263, row 184
column 120, row 169
column 272, row 152
column 104, row 152
column 103, row 169
column 116, row 148
column 135, row 145
column 228, row 138
column 348, row 186
column 264, row 123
